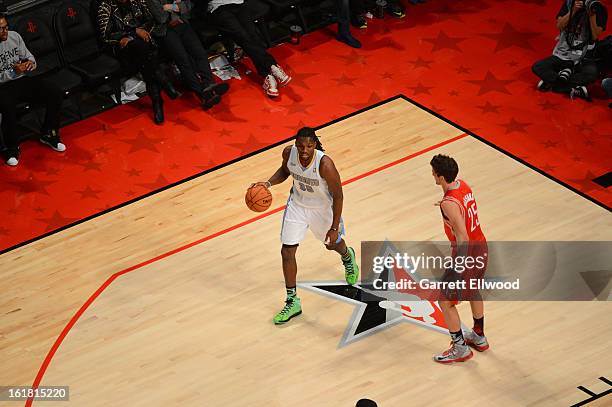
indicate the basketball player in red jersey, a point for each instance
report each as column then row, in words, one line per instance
column 462, row 227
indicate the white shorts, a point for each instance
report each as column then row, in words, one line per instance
column 297, row 219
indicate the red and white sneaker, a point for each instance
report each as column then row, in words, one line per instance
column 456, row 353
column 476, row 341
column 281, row 76
column 270, row 86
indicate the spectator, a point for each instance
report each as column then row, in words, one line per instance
column 232, row 18
column 18, row 84
column 358, row 11
column 344, row 24
column 580, row 23
column 127, row 27
column 395, row 8
column 360, row 7
column 182, row 44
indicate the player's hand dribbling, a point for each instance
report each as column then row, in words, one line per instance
column 265, row 184
column 331, row 237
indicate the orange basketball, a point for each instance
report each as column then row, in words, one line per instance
column 258, row 198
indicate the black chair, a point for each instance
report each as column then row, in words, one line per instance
column 80, row 48
column 293, row 6
column 308, row 14
column 41, row 42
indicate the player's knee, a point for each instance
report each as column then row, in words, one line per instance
column 445, row 304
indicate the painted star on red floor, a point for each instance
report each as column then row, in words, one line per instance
column 421, row 63
column 102, row 150
column 491, row 84
column 509, row 37
column 421, row 89
column 224, row 133
column 133, row 172
column 32, row 184
column 142, row 142
column 298, row 107
column 515, row 126
column 443, row 41
column 160, row 182
column 386, row 75
column 354, row 58
column 299, row 79
column 488, row 107
column 550, row 144
column 90, row 165
column 89, row 192
column 463, row 70
column 249, row 145
column 374, row 98
column 56, row 221
column 345, row 80
column 585, row 127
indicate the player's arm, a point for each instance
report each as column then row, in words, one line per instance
column 332, row 177
column 281, row 174
column 457, row 222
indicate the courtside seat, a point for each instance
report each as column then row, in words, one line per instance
column 80, row 48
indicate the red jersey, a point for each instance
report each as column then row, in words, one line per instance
column 464, row 198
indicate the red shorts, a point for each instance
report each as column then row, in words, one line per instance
column 467, row 278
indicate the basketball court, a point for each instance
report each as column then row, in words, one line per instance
column 168, row 301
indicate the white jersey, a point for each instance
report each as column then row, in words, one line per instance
column 309, row 189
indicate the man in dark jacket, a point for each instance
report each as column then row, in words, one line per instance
column 127, row 27
column 182, row 43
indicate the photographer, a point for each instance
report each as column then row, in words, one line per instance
column 580, row 23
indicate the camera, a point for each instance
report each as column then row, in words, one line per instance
column 590, row 4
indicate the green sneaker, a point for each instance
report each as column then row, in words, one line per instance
column 293, row 308
column 351, row 269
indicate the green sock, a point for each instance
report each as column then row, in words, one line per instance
column 346, row 256
column 291, row 292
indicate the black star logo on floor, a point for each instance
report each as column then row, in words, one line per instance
column 369, row 316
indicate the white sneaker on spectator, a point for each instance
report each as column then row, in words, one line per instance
column 12, row 157
column 281, row 76
column 270, row 86
column 53, row 140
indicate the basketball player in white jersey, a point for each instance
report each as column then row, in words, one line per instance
column 315, row 203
